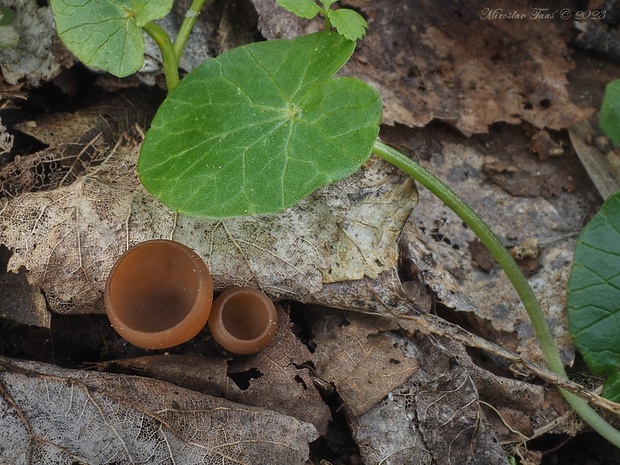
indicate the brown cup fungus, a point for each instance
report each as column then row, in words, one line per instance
column 158, row 294
column 243, row 320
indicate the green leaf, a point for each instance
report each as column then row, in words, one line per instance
column 609, row 117
column 7, row 16
column 349, row 23
column 107, row 34
column 593, row 293
column 260, row 127
column 306, row 9
column 611, row 389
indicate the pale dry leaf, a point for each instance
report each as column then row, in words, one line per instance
column 433, row 417
column 448, row 63
column 68, row 238
column 359, row 356
column 52, row 415
column 438, row 245
column 6, row 139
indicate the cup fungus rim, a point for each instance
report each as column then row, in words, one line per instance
column 232, row 343
column 161, row 339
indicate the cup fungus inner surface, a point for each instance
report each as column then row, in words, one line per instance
column 155, row 287
column 239, row 319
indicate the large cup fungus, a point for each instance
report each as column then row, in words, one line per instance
column 158, row 294
column 243, row 320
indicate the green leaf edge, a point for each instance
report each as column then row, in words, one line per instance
column 100, row 54
column 609, row 116
column 585, row 340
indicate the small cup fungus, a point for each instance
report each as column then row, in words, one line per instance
column 243, row 320
column 158, row 294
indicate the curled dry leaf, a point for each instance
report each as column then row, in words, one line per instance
column 68, row 238
column 51, row 415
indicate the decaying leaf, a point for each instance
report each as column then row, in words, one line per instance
column 452, row 64
column 439, row 244
column 51, row 415
column 278, row 379
column 69, row 237
column 359, row 356
column 433, row 417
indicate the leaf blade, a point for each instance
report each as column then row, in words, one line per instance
column 349, row 23
column 306, row 9
column 260, row 127
column 593, row 292
column 609, row 118
column 107, row 34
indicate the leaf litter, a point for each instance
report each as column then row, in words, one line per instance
column 495, row 399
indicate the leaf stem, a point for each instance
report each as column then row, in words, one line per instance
column 328, row 24
column 186, row 28
column 169, row 58
column 510, row 267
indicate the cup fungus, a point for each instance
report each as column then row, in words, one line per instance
column 243, row 320
column 158, row 294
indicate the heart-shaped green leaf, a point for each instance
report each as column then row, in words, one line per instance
column 593, row 295
column 107, row 34
column 260, row 127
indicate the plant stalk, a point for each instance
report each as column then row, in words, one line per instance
column 168, row 55
column 512, row 270
column 186, row 28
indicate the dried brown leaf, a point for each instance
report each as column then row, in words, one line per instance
column 279, row 379
column 447, row 63
column 359, row 356
column 51, row 415
column 433, row 417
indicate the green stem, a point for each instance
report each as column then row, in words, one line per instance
column 510, row 267
column 168, row 55
column 186, row 28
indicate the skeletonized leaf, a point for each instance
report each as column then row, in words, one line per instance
column 62, row 416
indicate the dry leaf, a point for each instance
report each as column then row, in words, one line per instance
column 39, row 56
column 439, row 244
column 278, row 379
column 51, row 415
column 434, row 417
column 359, row 356
column 445, row 62
column 69, row 237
